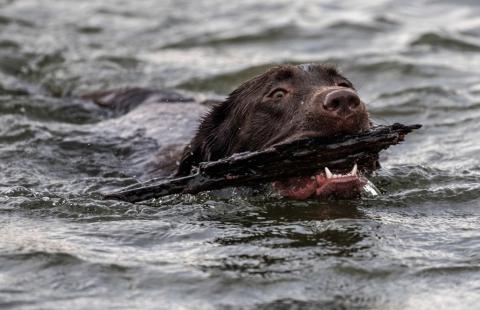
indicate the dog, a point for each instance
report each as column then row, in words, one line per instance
column 284, row 103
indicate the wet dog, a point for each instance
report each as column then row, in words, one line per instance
column 284, row 103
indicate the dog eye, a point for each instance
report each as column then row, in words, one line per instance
column 278, row 93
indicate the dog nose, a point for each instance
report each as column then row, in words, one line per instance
column 341, row 102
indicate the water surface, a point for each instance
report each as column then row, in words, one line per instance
column 415, row 247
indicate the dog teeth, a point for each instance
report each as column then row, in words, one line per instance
column 354, row 170
column 328, row 173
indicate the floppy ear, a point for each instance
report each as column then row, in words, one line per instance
column 217, row 134
column 212, row 140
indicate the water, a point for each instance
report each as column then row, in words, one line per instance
column 415, row 247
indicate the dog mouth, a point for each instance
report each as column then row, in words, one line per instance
column 322, row 185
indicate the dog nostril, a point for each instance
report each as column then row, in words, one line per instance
column 333, row 104
column 354, row 102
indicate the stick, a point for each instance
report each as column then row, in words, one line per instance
column 291, row 159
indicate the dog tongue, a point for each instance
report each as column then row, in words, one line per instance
column 322, row 185
column 296, row 188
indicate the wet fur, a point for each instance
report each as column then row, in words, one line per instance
column 243, row 123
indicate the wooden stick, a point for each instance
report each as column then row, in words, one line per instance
column 290, row 159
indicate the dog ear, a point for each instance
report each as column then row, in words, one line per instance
column 217, row 134
column 211, row 141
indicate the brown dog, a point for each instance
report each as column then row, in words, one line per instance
column 284, row 103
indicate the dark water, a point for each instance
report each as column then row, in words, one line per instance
column 415, row 247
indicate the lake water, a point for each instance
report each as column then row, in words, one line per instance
column 417, row 246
